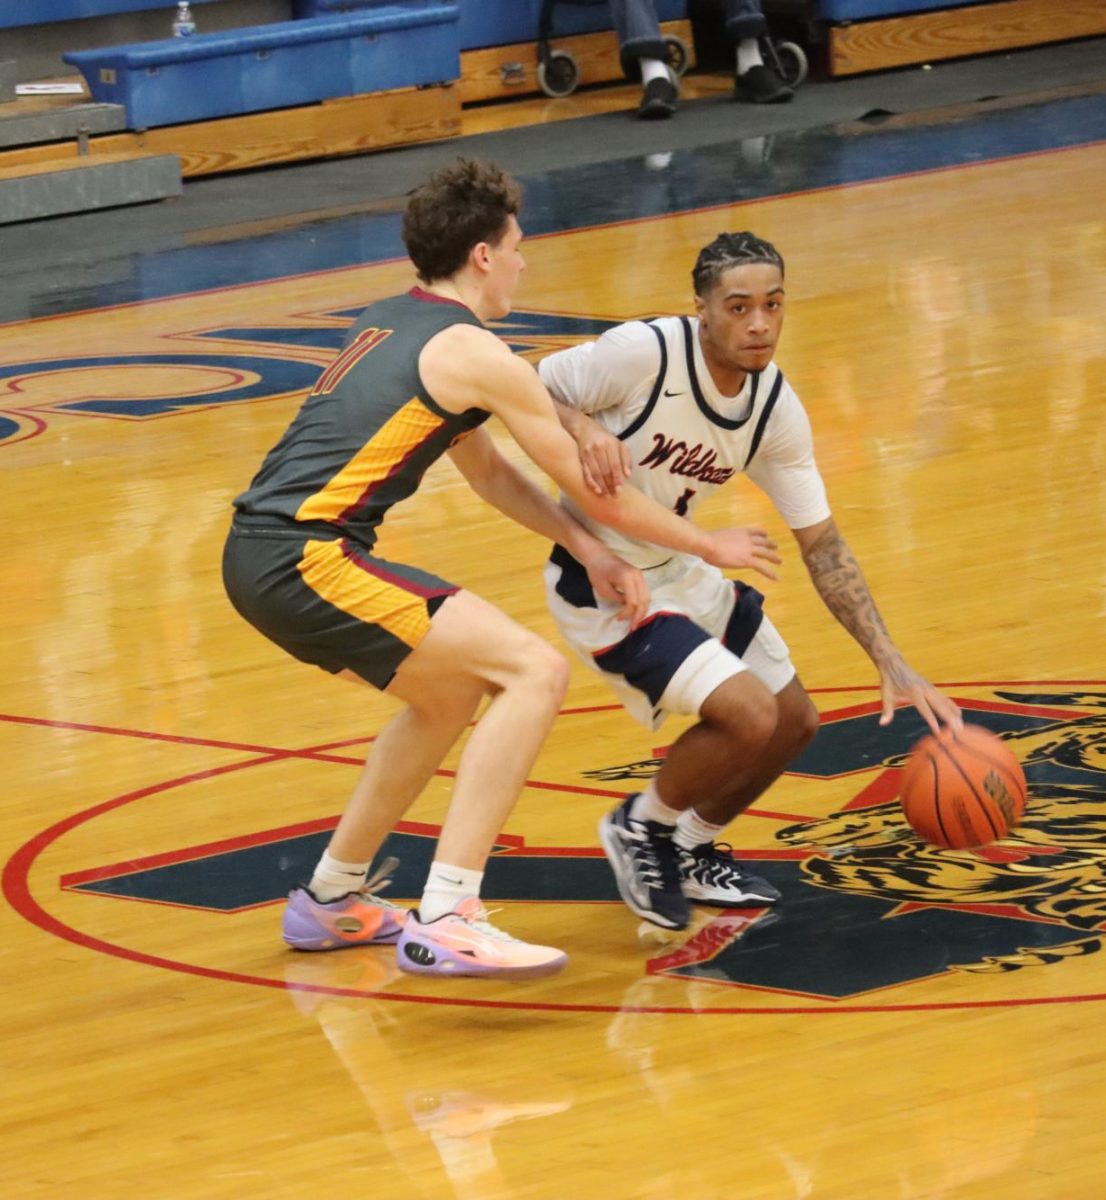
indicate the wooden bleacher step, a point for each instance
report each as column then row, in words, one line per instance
column 882, row 34
column 81, row 183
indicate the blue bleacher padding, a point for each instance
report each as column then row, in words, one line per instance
column 865, row 10
column 501, row 22
column 41, row 12
column 279, row 65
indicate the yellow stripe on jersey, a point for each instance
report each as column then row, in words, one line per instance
column 351, row 586
column 380, row 457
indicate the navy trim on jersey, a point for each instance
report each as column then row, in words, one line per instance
column 748, row 612
column 769, row 404
column 701, row 400
column 650, row 404
column 574, row 586
column 648, row 657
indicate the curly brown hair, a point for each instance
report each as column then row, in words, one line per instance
column 457, row 208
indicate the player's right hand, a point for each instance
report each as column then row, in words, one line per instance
column 743, row 548
column 604, row 459
column 617, row 582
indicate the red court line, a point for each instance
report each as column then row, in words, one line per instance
column 16, row 889
column 38, row 425
column 173, row 738
column 975, row 683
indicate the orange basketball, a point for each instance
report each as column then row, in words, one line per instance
column 962, row 789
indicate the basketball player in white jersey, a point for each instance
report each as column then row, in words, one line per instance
column 678, row 406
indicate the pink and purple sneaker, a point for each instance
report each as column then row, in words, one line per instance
column 464, row 942
column 359, row 919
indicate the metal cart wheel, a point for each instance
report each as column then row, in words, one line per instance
column 676, row 54
column 559, row 74
column 794, row 65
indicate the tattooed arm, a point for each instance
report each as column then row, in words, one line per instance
column 840, row 582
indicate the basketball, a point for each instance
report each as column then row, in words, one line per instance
column 962, row 789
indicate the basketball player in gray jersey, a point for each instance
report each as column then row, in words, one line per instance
column 417, row 377
column 677, row 407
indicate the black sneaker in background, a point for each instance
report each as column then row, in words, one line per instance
column 658, row 102
column 761, row 85
column 646, row 867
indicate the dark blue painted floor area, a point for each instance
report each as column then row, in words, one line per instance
column 594, row 194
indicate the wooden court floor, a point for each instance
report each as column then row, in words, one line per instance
column 909, row 1025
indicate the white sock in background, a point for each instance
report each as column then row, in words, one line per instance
column 652, row 68
column 748, row 55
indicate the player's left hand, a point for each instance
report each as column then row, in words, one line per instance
column 900, row 683
column 619, row 583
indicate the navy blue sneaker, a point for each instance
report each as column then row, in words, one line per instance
column 711, row 875
column 646, row 867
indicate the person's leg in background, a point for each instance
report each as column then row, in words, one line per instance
column 754, row 79
column 644, row 56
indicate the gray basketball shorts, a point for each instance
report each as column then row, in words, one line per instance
column 328, row 601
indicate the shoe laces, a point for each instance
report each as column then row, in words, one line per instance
column 477, row 918
column 377, row 882
column 654, row 854
column 714, row 859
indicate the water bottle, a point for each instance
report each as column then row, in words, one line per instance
column 183, row 24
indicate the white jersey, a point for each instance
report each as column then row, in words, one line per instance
column 647, row 384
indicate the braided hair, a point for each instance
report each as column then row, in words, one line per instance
column 731, row 250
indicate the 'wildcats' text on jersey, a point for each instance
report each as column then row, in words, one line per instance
column 648, row 384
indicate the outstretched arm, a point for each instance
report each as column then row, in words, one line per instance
column 840, row 582
column 474, row 369
column 500, row 484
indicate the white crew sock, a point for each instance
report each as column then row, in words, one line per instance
column 652, row 68
column 446, row 887
column 648, row 806
column 334, row 878
column 692, row 830
column 748, row 55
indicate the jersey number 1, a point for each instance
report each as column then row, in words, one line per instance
column 680, row 506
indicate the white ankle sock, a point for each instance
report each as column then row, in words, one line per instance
column 692, row 830
column 446, row 887
column 648, row 806
column 652, row 68
column 334, row 878
column 748, row 55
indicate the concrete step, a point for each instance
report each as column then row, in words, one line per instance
column 20, row 127
column 80, row 183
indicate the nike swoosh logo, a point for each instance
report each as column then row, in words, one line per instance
column 668, row 393
column 455, row 882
